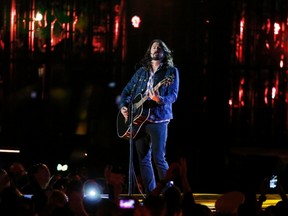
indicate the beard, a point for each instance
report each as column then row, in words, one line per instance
column 157, row 57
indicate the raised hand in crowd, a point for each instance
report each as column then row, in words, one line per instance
column 116, row 180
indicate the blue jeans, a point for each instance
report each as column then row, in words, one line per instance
column 151, row 145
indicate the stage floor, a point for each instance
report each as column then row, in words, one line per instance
column 210, row 199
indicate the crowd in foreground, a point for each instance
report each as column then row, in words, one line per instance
column 36, row 192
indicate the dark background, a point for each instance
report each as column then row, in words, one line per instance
column 223, row 142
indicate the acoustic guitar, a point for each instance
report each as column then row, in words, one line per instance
column 140, row 113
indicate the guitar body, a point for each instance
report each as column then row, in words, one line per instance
column 140, row 115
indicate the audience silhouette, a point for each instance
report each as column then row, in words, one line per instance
column 36, row 192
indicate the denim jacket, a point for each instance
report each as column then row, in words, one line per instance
column 168, row 92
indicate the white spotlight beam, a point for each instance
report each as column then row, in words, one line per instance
column 17, row 151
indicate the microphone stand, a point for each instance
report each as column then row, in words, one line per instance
column 130, row 182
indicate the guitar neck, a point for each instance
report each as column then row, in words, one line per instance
column 146, row 96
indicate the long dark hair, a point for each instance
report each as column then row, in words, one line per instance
column 167, row 60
